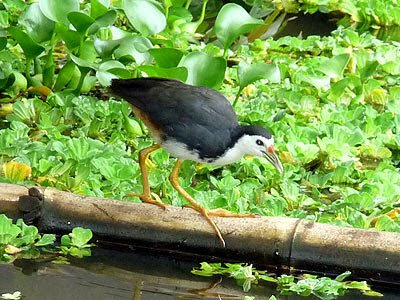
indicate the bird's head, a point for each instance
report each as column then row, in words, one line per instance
column 259, row 142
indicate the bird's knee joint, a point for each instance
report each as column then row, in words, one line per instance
column 172, row 180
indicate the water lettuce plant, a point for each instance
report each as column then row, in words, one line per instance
column 304, row 285
column 24, row 241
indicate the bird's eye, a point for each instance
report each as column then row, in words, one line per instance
column 259, row 143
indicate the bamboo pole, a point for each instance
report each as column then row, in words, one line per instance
column 289, row 242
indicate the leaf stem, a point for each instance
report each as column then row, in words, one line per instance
column 84, row 72
column 28, row 71
column 237, row 97
column 188, row 2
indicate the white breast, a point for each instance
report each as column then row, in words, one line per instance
column 180, row 151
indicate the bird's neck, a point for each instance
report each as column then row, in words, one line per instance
column 236, row 149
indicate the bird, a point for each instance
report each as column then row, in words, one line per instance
column 191, row 123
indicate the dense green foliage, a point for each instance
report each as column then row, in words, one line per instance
column 331, row 102
column 363, row 13
column 305, row 285
column 24, row 241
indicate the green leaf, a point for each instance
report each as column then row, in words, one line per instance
column 3, row 42
column 83, row 63
column 67, row 72
column 8, row 231
column 335, row 66
column 29, row 46
column 45, row 240
column 166, row 57
column 179, row 73
column 343, row 276
column 71, row 38
column 204, row 70
column 98, row 8
column 134, row 48
column 233, row 21
column 248, row 74
column 65, row 240
column 80, row 21
column 106, row 48
column 57, row 10
column 80, row 237
column 38, row 27
column 145, row 15
column 109, row 70
column 103, row 21
column 132, row 127
column 4, row 19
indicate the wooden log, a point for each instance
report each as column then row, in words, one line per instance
column 289, row 242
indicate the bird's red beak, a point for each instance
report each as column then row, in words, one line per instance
column 273, row 158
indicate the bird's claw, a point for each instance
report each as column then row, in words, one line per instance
column 147, row 199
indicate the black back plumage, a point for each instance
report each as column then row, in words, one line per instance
column 199, row 117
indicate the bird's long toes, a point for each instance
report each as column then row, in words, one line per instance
column 147, row 199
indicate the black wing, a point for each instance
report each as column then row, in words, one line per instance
column 199, row 117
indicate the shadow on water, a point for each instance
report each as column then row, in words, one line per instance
column 305, row 25
column 139, row 274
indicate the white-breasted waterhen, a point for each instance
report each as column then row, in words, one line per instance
column 192, row 123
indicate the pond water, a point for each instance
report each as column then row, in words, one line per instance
column 135, row 274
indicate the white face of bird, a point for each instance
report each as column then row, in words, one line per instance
column 261, row 146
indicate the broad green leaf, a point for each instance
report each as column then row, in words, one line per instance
column 80, row 237
column 106, row 48
column 145, row 15
column 132, row 127
column 335, row 66
column 38, row 27
column 134, row 48
column 109, row 70
column 71, row 38
column 65, row 240
column 45, row 240
column 248, row 74
column 203, row 69
column 29, row 234
column 98, row 8
column 80, row 21
column 8, row 230
column 29, row 46
column 368, row 70
column 83, row 63
column 179, row 73
column 88, row 51
column 178, row 15
column 4, row 19
column 3, row 42
column 166, row 57
column 233, row 21
column 57, row 10
column 65, row 75
column 20, row 83
column 103, row 21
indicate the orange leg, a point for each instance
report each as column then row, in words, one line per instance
column 146, row 196
column 175, row 183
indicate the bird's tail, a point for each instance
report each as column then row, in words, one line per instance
column 136, row 90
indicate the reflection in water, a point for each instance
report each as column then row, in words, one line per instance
column 133, row 275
